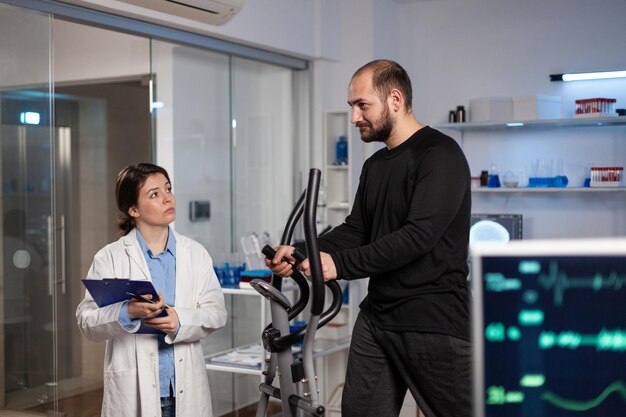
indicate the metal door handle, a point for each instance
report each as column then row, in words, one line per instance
column 63, row 249
column 50, row 257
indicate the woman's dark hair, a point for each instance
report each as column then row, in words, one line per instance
column 129, row 182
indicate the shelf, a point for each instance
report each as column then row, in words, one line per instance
column 239, row 291
column 538, row 124
column 338, row 167
column 344, row 205
column 337, row 179
column 233, row 369
column 551, row 190
column 247, row 359
column 290, row 286
column 322, row 347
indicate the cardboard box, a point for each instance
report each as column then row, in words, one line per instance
column 491, row 109
column 536, row 107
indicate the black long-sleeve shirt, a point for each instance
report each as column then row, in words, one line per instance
column 408, row 231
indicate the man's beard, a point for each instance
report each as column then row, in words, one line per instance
column 382, row 132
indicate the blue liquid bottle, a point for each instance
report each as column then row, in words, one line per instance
column 341, row 151
column 494, row 179
column 560, row 180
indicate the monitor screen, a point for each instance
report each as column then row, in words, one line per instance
column 549, row 328
column 511, row 222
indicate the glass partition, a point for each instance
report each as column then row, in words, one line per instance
column 28, row 331
column 224, row 131
column 264, row 141
column 222, row 126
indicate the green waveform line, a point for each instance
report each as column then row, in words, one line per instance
column 605, row 340
column 559, row 282
column 498, row 332
column 573, row 405
column 532, row 380
column 497, row 395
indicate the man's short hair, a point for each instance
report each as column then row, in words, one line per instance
column 386, row 75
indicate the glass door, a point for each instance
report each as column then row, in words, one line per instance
column 27, row 268
column 28, row 330
column 224, row 129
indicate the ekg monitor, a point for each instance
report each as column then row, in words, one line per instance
column 549, row 328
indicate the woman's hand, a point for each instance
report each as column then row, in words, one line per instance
column 148, row 312
column 166, row 324
column 138, row 309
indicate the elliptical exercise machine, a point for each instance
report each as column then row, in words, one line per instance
column 299, row 390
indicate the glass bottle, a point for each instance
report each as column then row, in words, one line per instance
column 341, row 151
column 460, row 114
column 484, row 178
column 494, row 178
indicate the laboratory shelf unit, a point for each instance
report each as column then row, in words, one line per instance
column 219, row 361
column 535, row 124
column 245, row 358
column 572, row 144
column 337, row 193
column 250, row 358
column 549, row 190
column 233, row 355
column 469, row 134
column 340, row 181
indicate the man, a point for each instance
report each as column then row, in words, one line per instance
column 408, row 231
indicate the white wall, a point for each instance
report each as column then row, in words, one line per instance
column 294, row 23
column 346, row 39
column 105, row 54
column 456, row 50
column 24, row 63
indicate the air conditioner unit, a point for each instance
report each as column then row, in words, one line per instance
column 213, row 12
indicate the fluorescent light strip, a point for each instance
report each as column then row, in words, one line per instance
column 582, row 76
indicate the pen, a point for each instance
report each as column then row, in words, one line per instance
column 144, row 299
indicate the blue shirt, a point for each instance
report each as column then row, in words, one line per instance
column 163, row 272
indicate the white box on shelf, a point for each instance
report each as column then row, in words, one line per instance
column 536, row 107
column 491, row 109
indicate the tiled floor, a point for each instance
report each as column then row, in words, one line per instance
column 250, row 411
column 90, row 403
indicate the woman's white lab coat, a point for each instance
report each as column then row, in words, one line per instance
column 131, row 363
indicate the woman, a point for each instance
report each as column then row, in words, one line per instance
column 163, row 373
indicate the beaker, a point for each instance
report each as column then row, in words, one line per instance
column 511, row 179
column 494, row 180
column 560, row 180
column 542, row 169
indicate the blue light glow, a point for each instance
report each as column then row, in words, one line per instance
column 30, row 118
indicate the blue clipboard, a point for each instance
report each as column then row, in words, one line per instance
column 109, row 291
